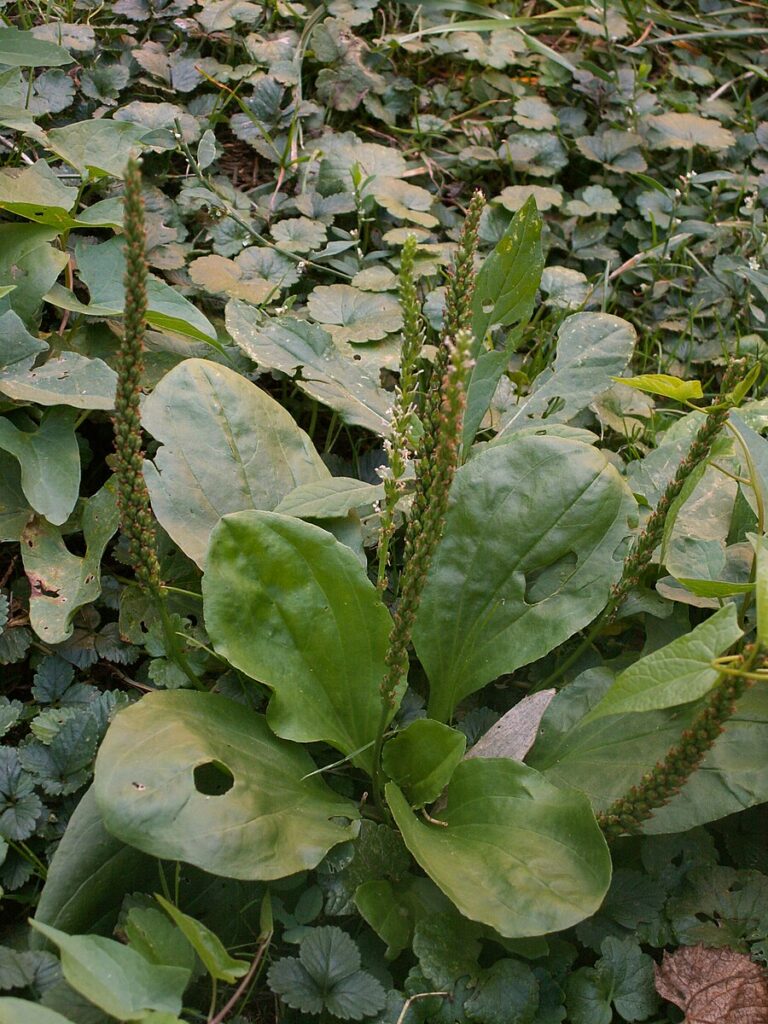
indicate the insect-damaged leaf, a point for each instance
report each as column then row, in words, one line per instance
column 198, row 778
column 530, row 551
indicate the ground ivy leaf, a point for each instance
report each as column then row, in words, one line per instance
column 20, row 807
column 354, row 315
column 348, row 382
column 506, row 993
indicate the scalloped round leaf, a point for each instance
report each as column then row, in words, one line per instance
column 226, row 446
column 516, row 852
column 514, row 197
column 672, row 130
column 299, row 234
column 198, row 778
column 224, row 277
column 354, row 315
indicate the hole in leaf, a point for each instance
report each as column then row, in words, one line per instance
column 213, row 779
column 548, row 579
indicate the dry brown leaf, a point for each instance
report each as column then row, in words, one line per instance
column 714, row 986
column 514, row 733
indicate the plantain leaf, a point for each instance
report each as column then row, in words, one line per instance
column 293, row 608
column 226, row 446
column 530, row 551
column 198, row 778
column 517, row 853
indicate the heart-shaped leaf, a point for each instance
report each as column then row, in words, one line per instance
column 677, row 673
column 198, row 778
column 516, row 852
column 115, row 977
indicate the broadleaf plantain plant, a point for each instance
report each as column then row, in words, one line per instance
column 505, row 558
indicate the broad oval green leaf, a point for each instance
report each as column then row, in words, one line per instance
column 677, row 673
column 290, row 606
column 606, row 757
column 20, row 1011
column 89, row 875
column 115, row 977
column 422, row 758
column 226, row 446
column 517, row 853
column 22, row 50
column 272, row 822
column 531, row 549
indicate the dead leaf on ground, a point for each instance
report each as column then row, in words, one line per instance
column 714, row 986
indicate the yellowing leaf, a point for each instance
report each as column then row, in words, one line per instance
column 664, row 384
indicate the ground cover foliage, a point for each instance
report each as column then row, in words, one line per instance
column 541, row 796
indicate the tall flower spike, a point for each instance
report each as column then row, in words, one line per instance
column 663, row 782
column 399, row 445
column 434, row 474
column 646, row 543
column 133, row 498
column 458, row 314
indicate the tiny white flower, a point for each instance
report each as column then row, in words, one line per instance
column 754, row 263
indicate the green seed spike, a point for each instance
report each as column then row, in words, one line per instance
column 434, row 474
column 399, row 445
column 133, row 498
column 663, row 782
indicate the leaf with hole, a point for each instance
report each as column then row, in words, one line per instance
column 62, row 582
column 532, row 546
column 195, row 777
